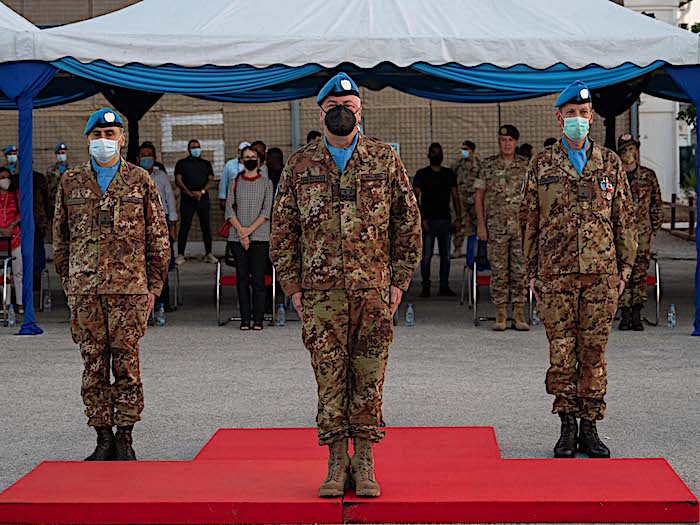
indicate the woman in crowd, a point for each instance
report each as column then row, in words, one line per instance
column 248, row 208
column 9, row 228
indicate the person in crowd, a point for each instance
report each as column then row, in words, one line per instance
column 346, row 242
column 110, row 242
column 261, row 148
column 435, row 186
column 313, row 135
column 649, row 214
column 466, row 168
column 10, row 229
column 580, row 241
column 11, row 159
column 499, row 187
column 147, row 160
column 525, row 151
column 193, row 175
column 248, row 209
column 231, row 170
column 275, row 165
column 55, row 172
column 551, row 141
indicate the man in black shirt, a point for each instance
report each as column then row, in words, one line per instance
column 275, row 165
column 435, row 186
column 192, row 175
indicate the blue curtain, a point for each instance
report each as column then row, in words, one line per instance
column 21, row 82
column 688, row 79
column 59, row 91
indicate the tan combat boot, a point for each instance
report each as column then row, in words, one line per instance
column 501, row 316
column 519, row 318
column 338, row 467
column 363, row 469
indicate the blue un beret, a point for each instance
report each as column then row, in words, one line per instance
column 103, row 118
column 339, row 85
column 577, row 93
column 61, row 146
column 9, row 149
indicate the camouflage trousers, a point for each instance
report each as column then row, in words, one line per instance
column 508, row 269
column 577, row 312
column 348, row 333
column 468, row 227
column 108, row 329
column 636, row 289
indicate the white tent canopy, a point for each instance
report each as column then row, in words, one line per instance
column 368, row 32
column 16, row 35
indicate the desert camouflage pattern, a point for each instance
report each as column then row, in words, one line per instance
column 569, row 222
column 108, row 328
column 466, row 171
column 355, row 230
column 53, row 177
column 649, row 213
column 116, row 243
column 348, row 333
column 502, row 183
column 577, row 312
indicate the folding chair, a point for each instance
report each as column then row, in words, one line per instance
column 6, row 259
column 232, row 281
column 176, row 292
column 45, row 276
column 654, row 282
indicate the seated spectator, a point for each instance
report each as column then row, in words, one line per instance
column 275, row 165
column 9, row 228
column 313, row 135
column 248, row 209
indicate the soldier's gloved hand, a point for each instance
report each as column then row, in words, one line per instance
column 296, row 301
column 534, row 290
column 481, row 233
column 620, row 288
column 396, row 295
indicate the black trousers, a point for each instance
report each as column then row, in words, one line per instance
column 188, row 207
column 251, row 267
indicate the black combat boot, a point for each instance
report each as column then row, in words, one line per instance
column 625, row 321
column 123, row 444
column 589, row 443
column 637, row 324
column 105, row 449
column 566, row 446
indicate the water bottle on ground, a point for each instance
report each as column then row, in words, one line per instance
column 410, row 316
column 11, row 317
column 281, row 315
column 671, row 316
column 47, row 301
column 535, row 317
column 160, row 318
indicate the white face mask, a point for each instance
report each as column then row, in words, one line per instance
column 5, row 184
column 104, row 150
column 12, row 159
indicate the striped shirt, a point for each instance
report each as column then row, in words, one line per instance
column 253, row 199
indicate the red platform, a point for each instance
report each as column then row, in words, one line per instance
column 428, row 475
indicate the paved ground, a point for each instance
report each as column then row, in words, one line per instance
column 444, row 371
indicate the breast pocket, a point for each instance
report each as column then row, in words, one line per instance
column 604, row 193
column 314, row 199
column 375, row 197
column 130, row 219
column 81, row 216
column 553, row 194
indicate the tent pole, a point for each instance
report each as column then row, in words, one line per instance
column 696, row 322
column 295, row 123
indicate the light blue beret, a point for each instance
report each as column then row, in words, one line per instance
column 577, row 93
column 339, row 85
column 61, row 146
column 103, row 118
column 9, row 149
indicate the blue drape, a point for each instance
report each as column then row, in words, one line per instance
column 688, row 79
column 59, row 91
column 21, row 82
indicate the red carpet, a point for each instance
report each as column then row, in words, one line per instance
column 428, row 475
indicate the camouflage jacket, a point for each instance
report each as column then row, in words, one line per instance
column 466, row 170
column 503, row 187
column 578, row 224
column 116, row 243
column 359, row 229
column 646, row 196
column 53, row 177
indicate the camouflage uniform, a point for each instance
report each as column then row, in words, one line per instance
column 649, row 214
column 502, row 183
column 343, row 240
column 111, row 251
column 53, row 177
column 466, row 170
column 579, row 238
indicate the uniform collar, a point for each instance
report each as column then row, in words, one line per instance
column 123, row 175
column 594, row 156
column 321, row 151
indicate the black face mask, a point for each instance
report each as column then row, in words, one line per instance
column 435, row 160
column 250, row 165
column 340, row 121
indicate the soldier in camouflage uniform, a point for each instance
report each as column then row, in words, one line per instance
column 111, row 250
column 346, row 240
column 55, row 172
column 466, row 169
column 580, row 241
column 649, row 213
column 499, row 185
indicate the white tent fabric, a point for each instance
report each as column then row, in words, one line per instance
column 538, row 33
column 16, row 36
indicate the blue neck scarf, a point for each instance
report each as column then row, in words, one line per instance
column 105, row 176
column 342, row 156
column 577, row 157
column 62, row 167
column 12, row 168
